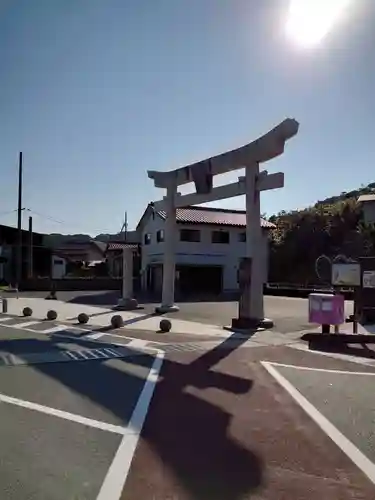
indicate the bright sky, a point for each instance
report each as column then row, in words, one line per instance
column 96, row 92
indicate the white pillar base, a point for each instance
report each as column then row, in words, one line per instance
column 127, row 304
column 162, row 309
column 249, row 325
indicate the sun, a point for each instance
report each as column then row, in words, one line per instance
column 309, row 21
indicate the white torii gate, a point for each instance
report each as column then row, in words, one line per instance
column 267, row 147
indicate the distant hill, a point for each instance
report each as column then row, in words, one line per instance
column 56, row 240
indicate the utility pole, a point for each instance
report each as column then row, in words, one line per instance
column 126, row 226
column 31, row 259
column 19, row 225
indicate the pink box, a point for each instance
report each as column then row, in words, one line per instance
column 326, row 309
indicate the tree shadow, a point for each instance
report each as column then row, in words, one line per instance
column 103, row 299
column 190, row 435
column 110, row 298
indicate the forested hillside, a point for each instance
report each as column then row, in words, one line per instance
column 332, row 226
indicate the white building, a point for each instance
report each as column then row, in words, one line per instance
column 210, row 244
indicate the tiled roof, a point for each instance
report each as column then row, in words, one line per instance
column 205, row 215
column 120, row 246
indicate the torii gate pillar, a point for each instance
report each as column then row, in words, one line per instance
column 127, row 302
column 267, row 147
column 251, row 271
column 169, row 260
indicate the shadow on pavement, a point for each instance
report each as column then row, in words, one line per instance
column 190, row 435
column 361, row 351
column 104, row 299
column 110, row 298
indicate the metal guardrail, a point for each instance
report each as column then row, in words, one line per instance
column 295, row 290
column 293, row 286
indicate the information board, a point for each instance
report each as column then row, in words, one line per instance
column 346, row 274
column 368, row 279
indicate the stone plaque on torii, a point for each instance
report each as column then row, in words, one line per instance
column 267, row 147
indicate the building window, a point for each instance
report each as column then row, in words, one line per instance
column 220, row 237
column 147, row 238
column 192, row 235
column 242, row 237
column 160, row 236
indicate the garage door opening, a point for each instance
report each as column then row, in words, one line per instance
column 199, row 280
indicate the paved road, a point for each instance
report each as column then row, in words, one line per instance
column 232, row 432
column 346, row 400
column 219, row 426
column 62, row 423
column 289, row 314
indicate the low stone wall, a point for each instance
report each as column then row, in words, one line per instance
column 71, row 284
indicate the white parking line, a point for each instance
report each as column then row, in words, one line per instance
column 325, row 370
column 123, row 337
column 101, row 353
column 71, row 337
column 83, row 354
column 95, row 336
column 118, row 472
column 113, row 353
column 26, row 324
column 64, row 415
column 54, row 329
column 351, row 451
column 335, row 355
column 137, row 344
column 3, row 319
column 72, row 355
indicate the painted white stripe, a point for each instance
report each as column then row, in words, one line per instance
column 63, row 414
column 325, row 370
column 92, row 354
column 83, row 354
column 138, row 344
column 95, row 336
column 113, row 353
column 335, row 355
column 101, row 353
column 3, row 319
column 26, row 324
column 70, row 337
column 72, row 355
column 123, row 337
column 360, row 460
column 53, row 329
column 118, row 472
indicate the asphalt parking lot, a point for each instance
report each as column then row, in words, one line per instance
column 297, row 425
column 289, row 314
column 345, row 399
column 69, row 430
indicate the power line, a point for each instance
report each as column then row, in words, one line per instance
column 45, row 216
column 57, row 221
column 8, row 212
column 67, row 223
